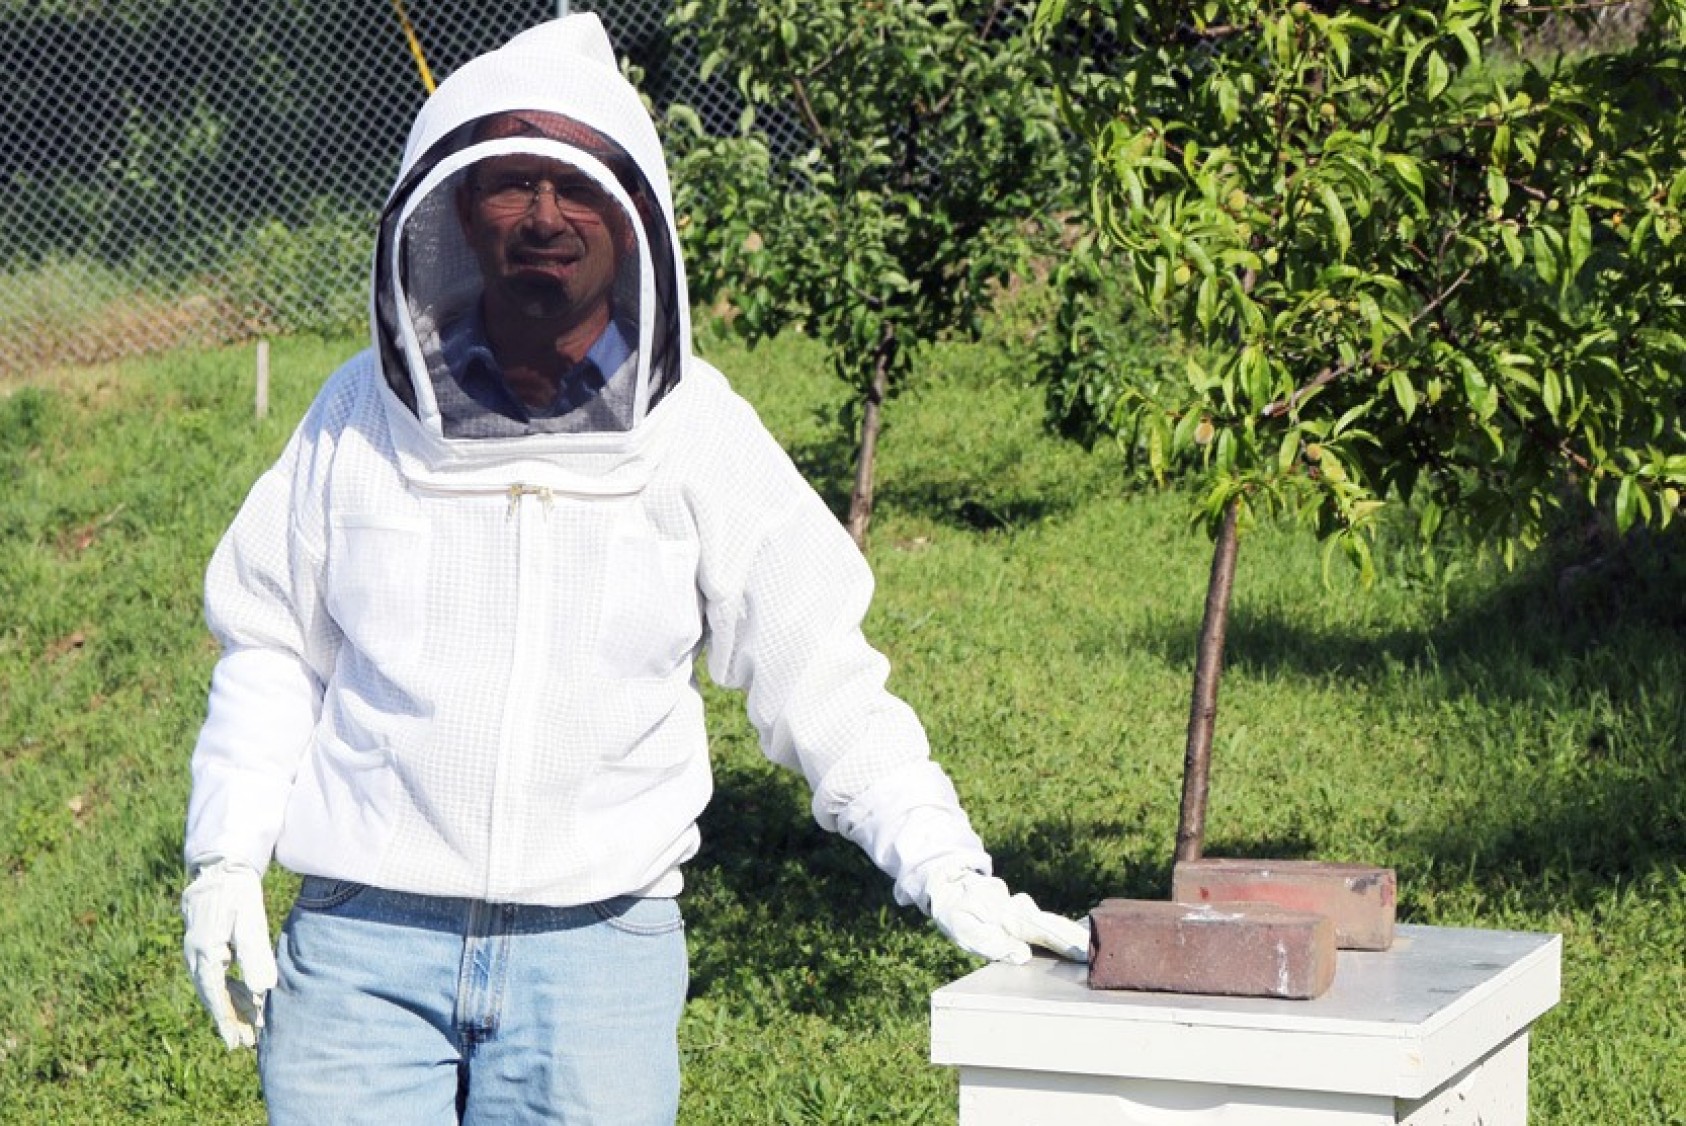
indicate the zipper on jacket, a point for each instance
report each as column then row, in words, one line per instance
column 523, row 687
column 517, row 491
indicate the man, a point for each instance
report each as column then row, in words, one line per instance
column 548, row 241
column 458, row 622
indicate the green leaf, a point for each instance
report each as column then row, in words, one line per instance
column 1428, row 520
column 1627, row 504
column 1338, row 224
column 1580, row 240
column 1513, row 245
column 1500, row 148
column 1246, row 309
column 1357, row 551
column 1206, row 301
column 1498, row 188
column 1182, row 436
column 1404, row 392
column 1289, row 451
column 1471, row 46
column 1199, row 378
column 1225, row 449
column 1410, row 173
column 1551, row 392
column 1197, row 254
column 1412, row 54
column 1545, row 258
column 1439, row 77
column 1352, row 415
column 1255, row 376
column 1050, row 14
column 1372, row 314
column 1677, row 189
column 1229, row 100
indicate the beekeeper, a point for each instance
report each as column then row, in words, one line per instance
column 458, row 620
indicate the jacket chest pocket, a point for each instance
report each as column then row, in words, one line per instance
column 377, row 580
column 652, row 613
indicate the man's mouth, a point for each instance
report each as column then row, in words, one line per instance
column 545, row 257
column 542, row 263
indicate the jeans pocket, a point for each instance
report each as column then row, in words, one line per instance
column 634, row 914
column 319, row 893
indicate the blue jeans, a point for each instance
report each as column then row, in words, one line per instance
column 396, row 1008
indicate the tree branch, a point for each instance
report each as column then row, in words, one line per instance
column 1327, row 375
column 808, row 115
column 799, row 84
column 1330, row 374
column 941, row 105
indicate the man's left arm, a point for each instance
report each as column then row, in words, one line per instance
column 787, row 630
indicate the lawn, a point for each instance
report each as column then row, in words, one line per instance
column 1510, row 742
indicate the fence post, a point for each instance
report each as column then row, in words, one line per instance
column 262, row 397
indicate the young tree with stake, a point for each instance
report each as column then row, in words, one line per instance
column 1417, row 266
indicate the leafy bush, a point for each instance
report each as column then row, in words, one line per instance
column 926, row 153
column 308, row 278
column 1101, row 355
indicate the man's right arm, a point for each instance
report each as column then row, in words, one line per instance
column 263, row 604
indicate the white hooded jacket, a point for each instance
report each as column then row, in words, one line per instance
column 458, row 648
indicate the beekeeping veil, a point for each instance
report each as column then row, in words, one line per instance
column 546, row 113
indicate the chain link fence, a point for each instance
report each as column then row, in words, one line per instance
column 1613, row 25
column 181, row 172
column 197, row 172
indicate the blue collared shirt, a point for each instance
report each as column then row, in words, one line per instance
column 469, row 355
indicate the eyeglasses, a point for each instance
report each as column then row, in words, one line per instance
column 514, row 194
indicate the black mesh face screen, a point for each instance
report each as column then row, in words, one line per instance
column 537, row 213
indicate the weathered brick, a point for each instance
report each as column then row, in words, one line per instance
column 1239, row 949
column 1360, row 899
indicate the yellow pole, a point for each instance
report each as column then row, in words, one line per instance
column 415, row 46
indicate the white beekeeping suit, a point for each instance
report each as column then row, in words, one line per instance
column 458, row 638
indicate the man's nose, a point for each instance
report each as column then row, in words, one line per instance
column 545, row 215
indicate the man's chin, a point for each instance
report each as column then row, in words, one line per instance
column 537, row 296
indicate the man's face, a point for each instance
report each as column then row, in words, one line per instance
column 547, row 238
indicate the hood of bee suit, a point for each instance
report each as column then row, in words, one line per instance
column 532, row 206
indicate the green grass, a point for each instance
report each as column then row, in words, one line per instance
column 1513, row 752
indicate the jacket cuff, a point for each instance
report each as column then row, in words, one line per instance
column 911, row 824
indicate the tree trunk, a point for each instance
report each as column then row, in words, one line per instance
column 860, row 500
column 1203, row 712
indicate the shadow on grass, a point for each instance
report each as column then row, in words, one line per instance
column 967, row 502
column 784, row 915
column 960, row 504
column 1065, row 866
column 1062, row 865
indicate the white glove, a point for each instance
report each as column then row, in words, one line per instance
column 223, row 909
column 981, row 916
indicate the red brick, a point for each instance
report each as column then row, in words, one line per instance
column 1239, row 949
column 1360, row 899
